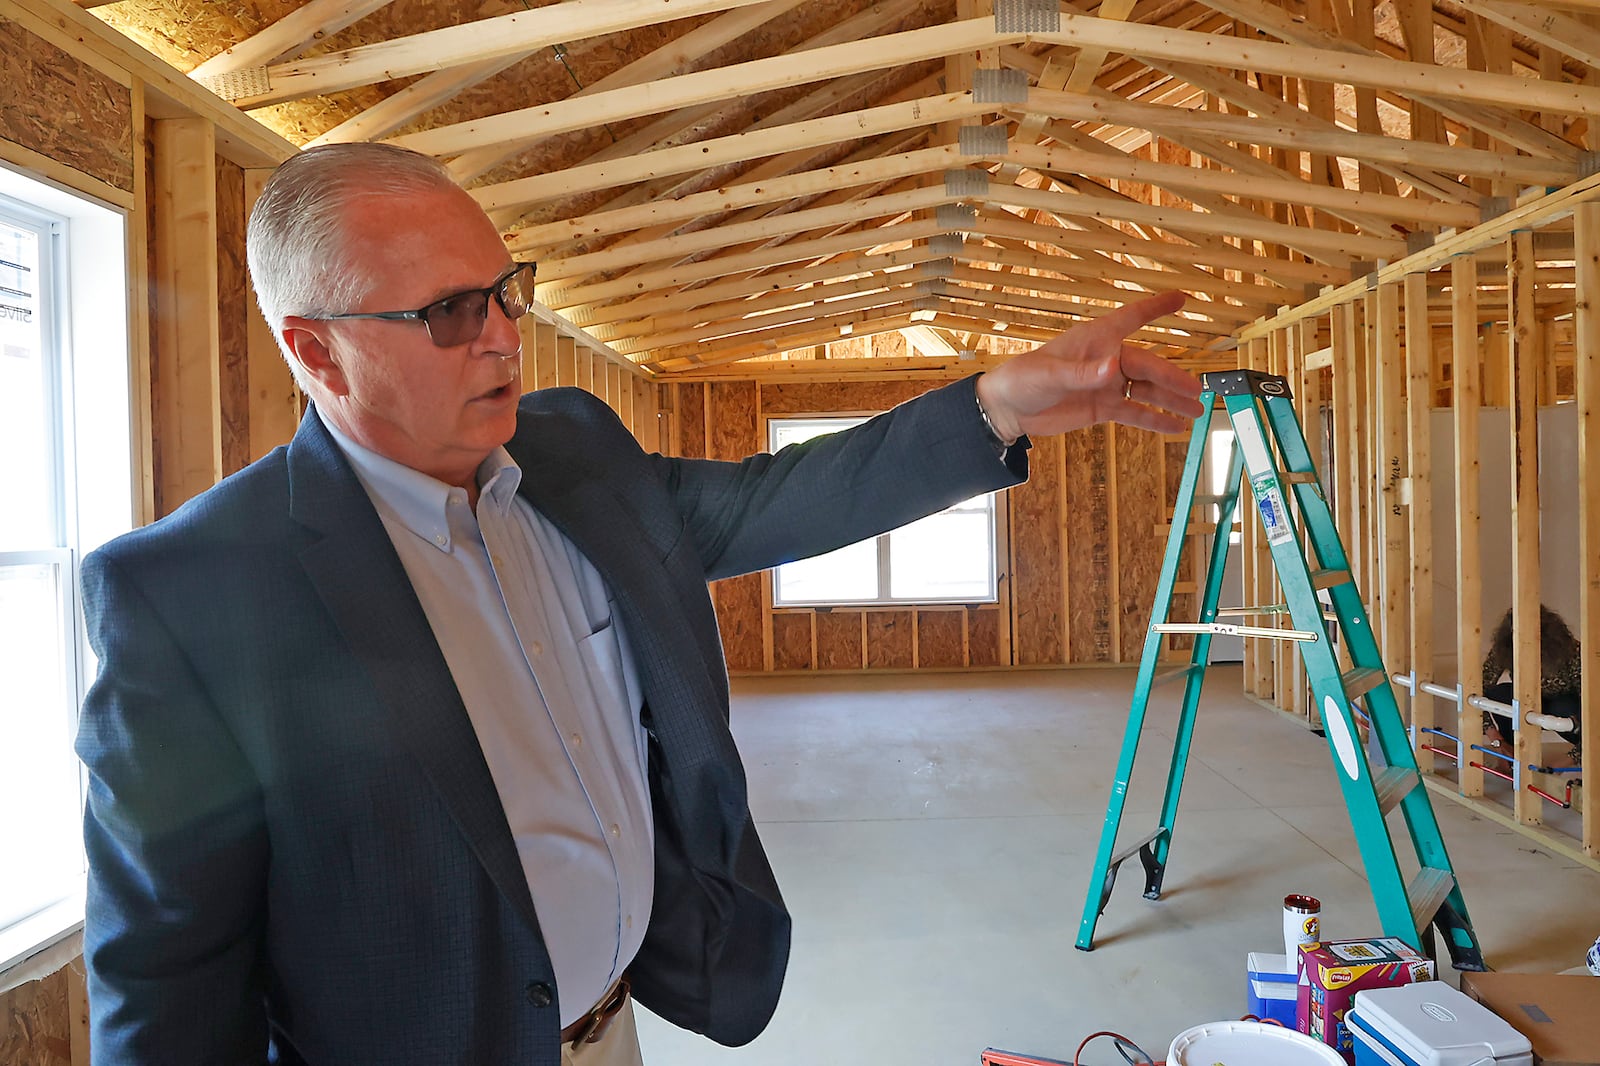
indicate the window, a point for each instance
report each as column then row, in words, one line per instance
column 948, row 557
column 65, row 487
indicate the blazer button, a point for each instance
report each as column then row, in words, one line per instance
column 539, row 994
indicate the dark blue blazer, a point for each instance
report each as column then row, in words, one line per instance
column 296, row 851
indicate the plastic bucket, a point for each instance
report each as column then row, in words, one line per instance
column 1249, row 1044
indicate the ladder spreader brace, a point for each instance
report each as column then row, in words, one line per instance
column 1270, row 452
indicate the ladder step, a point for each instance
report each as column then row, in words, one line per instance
column 1176, row 675
column 1393, row 784
column 1427, row 892
column 1133, row 849
column 1361, row 680
column 1300, row 477
column 1326, row 579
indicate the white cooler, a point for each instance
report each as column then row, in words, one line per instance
column 1431, row 1024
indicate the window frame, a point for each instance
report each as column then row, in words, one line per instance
column 882, row 542
column 92, row 490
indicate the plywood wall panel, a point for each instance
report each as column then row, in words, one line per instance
column 839, row 640
column 689, row 414
column 1036, row 547
column 1139, row 510
column 791, row 641
column 733, row 420
column 1088, row 538
column 939, row 638
column 35, row 1023
column 983, row 638
column 889, row 639
column 61, row 107
column 233, row 317
column 739, row 618
column 804, row 398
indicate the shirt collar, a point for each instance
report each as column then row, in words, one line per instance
column 421, row 503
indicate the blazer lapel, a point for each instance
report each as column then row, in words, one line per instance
column 362, row 583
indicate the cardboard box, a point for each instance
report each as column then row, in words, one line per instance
column 1556, row 1012
column 1330, row 974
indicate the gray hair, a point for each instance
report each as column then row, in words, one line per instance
column 300, row 262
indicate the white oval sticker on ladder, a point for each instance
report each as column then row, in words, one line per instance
column 1344, row 745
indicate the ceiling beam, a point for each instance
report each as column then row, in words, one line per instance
column 735, row 148
column 669, row 277
column 1564, row 33
column 516, row 33
column 1181, row 179
column 288, row 37
column 1508, row 127
column 737, row 80
column 1250, row 130
column 685, row 244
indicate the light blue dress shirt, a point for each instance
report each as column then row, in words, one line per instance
column 536, row 649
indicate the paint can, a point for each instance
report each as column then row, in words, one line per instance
column 1249, row 1044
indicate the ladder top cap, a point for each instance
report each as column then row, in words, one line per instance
column 1246, row 383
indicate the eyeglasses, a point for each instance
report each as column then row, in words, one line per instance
column 459, row 319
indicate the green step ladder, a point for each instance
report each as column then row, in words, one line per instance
column 1256, row 403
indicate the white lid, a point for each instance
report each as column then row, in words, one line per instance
column 1249, row 1044
column 1263, row 963
column 1432, row 1023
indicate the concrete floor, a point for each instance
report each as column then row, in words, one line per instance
column 934, row 835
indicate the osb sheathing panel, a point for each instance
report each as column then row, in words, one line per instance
column 806, row 398
column 733, row 431
column 838, row 640
column 690, row 420
column 983, row 637
column 1140, row 494
column 1036, row 548
column 59, row 106
column 939, row 638
column 791, row 641
column 733, row 420
column 35, row 1023
column 233, row 299
column 889, row 639
column 1087, row 546
column 739, row 619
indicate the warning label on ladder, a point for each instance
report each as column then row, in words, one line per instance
column 1274, row 515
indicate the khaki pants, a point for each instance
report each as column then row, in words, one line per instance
column 619, row 1047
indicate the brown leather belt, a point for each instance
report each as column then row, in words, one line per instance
column 592, row 1026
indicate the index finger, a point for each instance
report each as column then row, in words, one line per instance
column 1140, row 313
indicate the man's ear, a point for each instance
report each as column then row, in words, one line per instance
column 309, row 342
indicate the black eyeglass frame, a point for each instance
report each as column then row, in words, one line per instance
column 497, row 290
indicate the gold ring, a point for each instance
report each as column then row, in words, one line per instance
column 1127, row 391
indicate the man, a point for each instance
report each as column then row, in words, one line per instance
column 410, row 741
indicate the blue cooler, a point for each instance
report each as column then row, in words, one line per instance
column 1431, row 1024
column 1270, row 990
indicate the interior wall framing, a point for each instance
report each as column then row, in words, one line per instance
column 1489, row 327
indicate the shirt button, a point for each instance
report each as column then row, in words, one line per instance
column 539, row 994
column 616, row 830
column 495, row 559
column 537, row 648
column 630, row 921
column 441, row 540
column 577, row 740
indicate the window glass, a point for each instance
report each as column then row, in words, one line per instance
column 948, row 557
